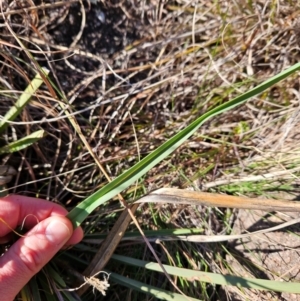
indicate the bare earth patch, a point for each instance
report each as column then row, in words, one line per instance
column 274, row 255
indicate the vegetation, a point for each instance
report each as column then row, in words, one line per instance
column 104, row 102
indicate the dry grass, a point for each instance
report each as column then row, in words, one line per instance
column 141, row 76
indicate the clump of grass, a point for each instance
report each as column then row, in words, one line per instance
column 159, row 68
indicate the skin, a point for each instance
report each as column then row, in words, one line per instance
column 48, row 231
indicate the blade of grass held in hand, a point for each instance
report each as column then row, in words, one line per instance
column 81, row 211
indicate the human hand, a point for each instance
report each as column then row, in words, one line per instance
column 32, row 251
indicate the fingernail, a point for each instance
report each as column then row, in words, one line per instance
column 57, row 232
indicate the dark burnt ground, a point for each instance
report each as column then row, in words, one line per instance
column 109, row 66
column 58, row 27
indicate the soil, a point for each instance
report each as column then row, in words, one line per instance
column 273, row 255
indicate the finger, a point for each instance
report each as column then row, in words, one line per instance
column 76, row 237
column 30, row 253
column 16, row 209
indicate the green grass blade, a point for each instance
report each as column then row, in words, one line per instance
column 54, row 275
column 150, row 233
column 25, row 294
column 23, row 100
column 81, row 211
column 22, row 143
column 58, row 283
column 148, row 289
column 218, row 279
column 34, row 289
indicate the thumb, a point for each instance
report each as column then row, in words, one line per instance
column 30, row 253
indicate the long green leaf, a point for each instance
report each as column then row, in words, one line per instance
column 148, row 233
column 22, row 143
column 23, row 100
column 81, row 211
column 218, row 279
column 25, row 294
column 46, row 290
column 58, row 282
column 34, row 289
column 158, row 293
